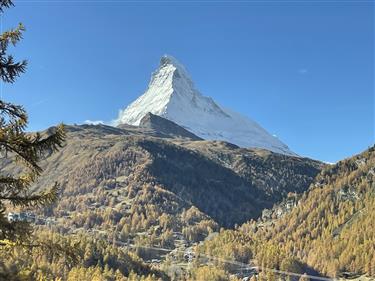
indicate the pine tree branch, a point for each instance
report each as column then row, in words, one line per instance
column 5, row 4
column 29, row 160
column 43, row 199
column 10, row 70
column 28, row 149
column 13, row 112
column 11, row 36
column 53, row 142
column 10, row 186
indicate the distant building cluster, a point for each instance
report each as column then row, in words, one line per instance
column 278, row 211
column 29, row 217
column 22, row 216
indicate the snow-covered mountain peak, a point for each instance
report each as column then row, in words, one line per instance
column 171, row 94
column 169, row 60
column 171, row 73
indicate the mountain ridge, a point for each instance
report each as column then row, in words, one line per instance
column 166, row 127
column 172, row 94
column 226, row 182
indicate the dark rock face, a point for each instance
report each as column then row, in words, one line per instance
column 166, row 127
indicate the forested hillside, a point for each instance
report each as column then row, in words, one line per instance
column 85, row 258
column 141, row 187
column 330, row 231
column 130, row 179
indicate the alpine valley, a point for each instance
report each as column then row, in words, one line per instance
column 185, row 189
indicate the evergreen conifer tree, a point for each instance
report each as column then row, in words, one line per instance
column 24, row 149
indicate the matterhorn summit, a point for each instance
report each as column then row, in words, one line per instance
column 171, row 94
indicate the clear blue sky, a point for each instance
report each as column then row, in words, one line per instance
column 303, row 70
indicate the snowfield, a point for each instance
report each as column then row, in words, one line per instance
column 171, row 94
